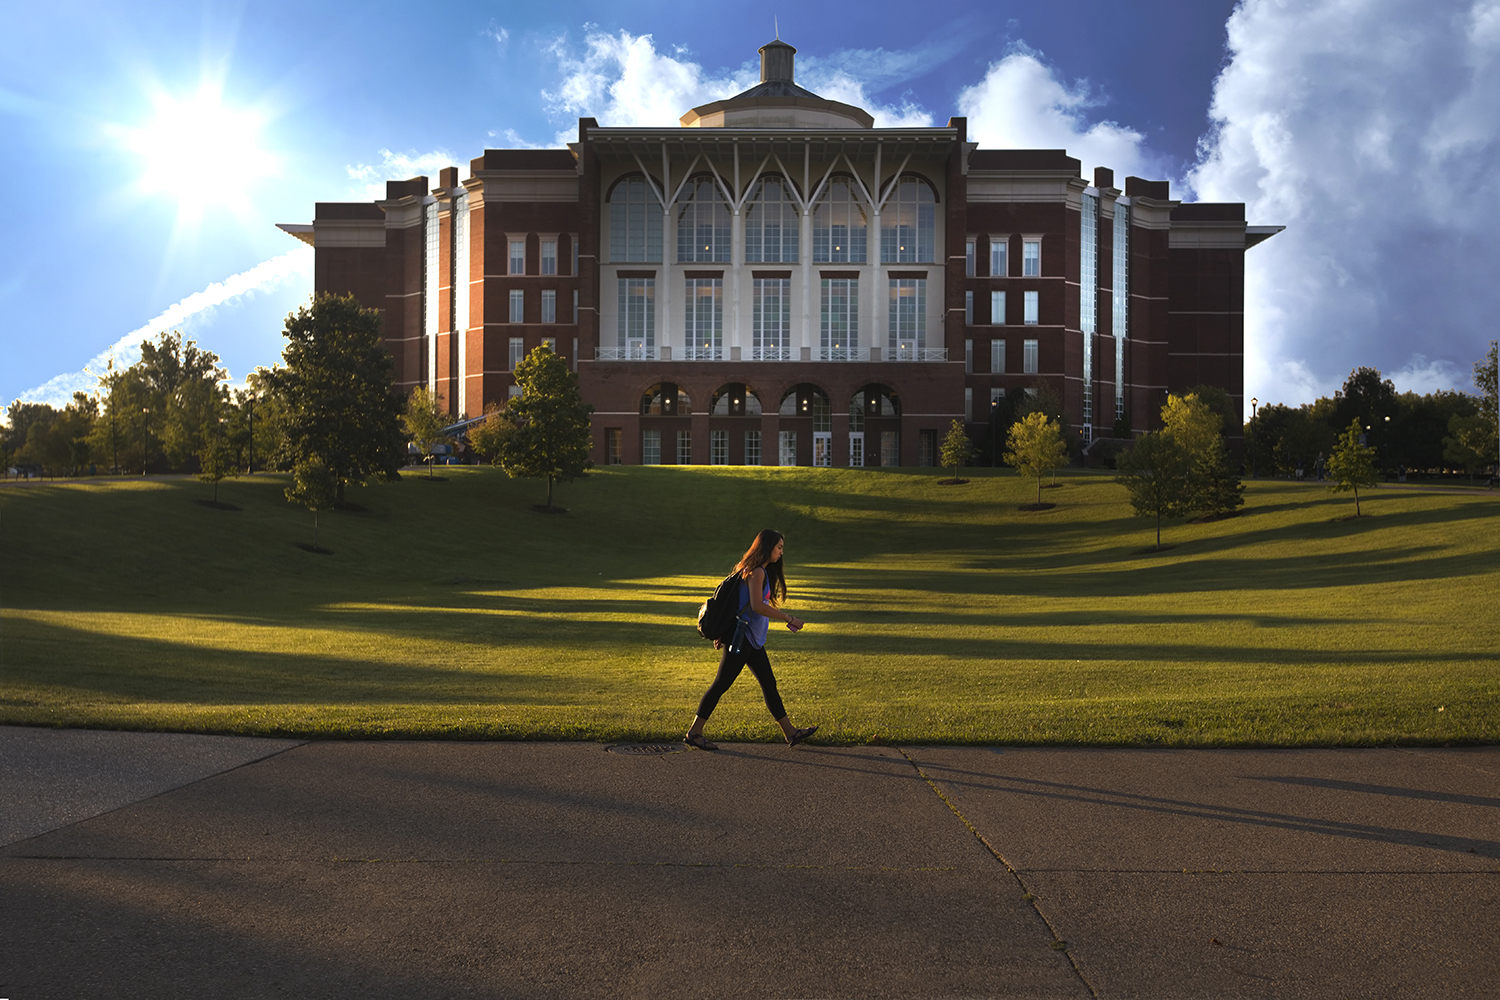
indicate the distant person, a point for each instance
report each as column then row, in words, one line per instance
column 762, row 589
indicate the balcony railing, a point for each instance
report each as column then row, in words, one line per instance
column 906, row 352
column 698, row 352
column 772, row 354
column 642, row 352
column 630, row 352
column 844, row 353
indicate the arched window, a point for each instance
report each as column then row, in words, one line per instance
column 839, row 224
column 634, row 225
column 807, row 400
column 702, row 223
column 735, row 400
column 665, row 399
column 771, row 223
column 873, row 401
column 908, row 231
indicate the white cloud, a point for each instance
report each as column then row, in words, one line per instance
column 1367, row 127
column 500, row 35
column 263, row 277
column 1021, row 104
column 396, row 166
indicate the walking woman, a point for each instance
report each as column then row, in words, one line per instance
column 762, row 589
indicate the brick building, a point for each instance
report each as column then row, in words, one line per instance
column 778, row 282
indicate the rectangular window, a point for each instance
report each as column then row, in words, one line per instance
column 612, row 438
column 968, row 308
column 1029, row 357
column 999, row 267
column 718, row 447
column 517, row 256
column 968, row 357
column 857, row 450
column 550, row 343
column 997, row 357
column 637, row 320
column 997, row 308
column 997, row 396
column 752, row 447
column 969, row 258
column 517, row 306
column 512, row 392
column 890, row 448
column 573, row 239
column 634, row 221
column 703, row 330
column 650, row 447
column 788, row 447
column 1119, row 300
column 517, row 351
column 907, row 336
column 1031, row 301
column 772, row 320
column 684, row 447
column 549, row 306
column 927, row 453
column 1031, row 258
column 968, row 404
column 549, row 256
column 575, row 306
column 839, row 320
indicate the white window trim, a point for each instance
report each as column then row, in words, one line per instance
column 509, row 239
column 1037, row 239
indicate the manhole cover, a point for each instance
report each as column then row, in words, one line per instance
column 646, row 749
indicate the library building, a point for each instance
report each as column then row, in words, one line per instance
column 775, row 281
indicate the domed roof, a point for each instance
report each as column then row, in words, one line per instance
column 777, row 101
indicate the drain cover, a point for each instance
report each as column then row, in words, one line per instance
column 646, row 749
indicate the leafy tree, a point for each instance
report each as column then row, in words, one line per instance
column 424, row 421
column 957, row 449
column 549, row 434
column 1468, row 442
column 1156, row 470
column 337, row 390
column 488, row 439
column 1487, row 381
column 1036, row 445
column 216, row 456
column 1352, row 463
column 314, row 486
column 1212, row 487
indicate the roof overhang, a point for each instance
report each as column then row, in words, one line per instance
column 1259, row 234
column 624, row 142
column 302, row 230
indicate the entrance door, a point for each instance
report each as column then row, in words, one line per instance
column 856, row 449
column 822, row 448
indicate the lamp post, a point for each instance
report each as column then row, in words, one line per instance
column 1254, row 403
column 251, row 399
column 1385, row 442
column 145, row 438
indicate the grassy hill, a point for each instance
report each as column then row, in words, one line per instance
column 937, row 613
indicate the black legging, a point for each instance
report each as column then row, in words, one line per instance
column 730, row 666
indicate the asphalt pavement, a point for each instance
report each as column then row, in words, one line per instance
column 156, row 865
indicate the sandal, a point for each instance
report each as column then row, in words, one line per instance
column 698, row 740
column 798, row 735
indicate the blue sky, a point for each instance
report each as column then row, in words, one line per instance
column 153, row 148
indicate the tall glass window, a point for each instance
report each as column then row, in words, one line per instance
column 997, row 308
column 1088, row 302
column 1029, row 357
column 517, row 256
column 549, row 305
column 549, row 256
column 752, row 447
column 517, row 305
column 772, row 320
column 702, row 223
column 684, row 447
column 634, row 221
column 771, row 224
column 1031, row 258
column 1120, row 300
column 969, row 258
column 637, row 321
column 703, row 334
column 788, row 448
column 999, row 266
column 839, row 333
column 908, row 226
column 461, row 275
column 907, row 313
column 968, row 308
column 840, row 227
column 968, row 357
column 517, row 351
column 997, row 357
column 718, row 447
column 432, row 245
column 650, row 447
column 1031, row 312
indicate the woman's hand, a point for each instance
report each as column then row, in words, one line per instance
column 794, row 624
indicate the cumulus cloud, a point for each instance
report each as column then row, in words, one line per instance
column 263, row 277
column 499, row 35
column 371, row 178
column 1367, row 127
column 1022, row 104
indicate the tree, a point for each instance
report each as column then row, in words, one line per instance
column 1212, row 489
column 340, row 401
column 424, row 421
column 1487, row 381
column 1468, row 442
column 1035, row 445
column 216, row 456
column 550, row 434
column 1352, row 463
column 314, row 486
column 1156, row 471
column 957, row 448
column 488, row 439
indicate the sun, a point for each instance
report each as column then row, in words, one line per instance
column 201, row 152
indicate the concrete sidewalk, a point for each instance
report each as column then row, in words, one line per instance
column 169, row 866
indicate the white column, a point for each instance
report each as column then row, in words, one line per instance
column 804, row 249
column 664, row 316
column 736, row 260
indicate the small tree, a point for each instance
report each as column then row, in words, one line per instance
column 1198, row 429
column 550, row 434
column 314, row 486
column 1468, row 442
column 957, row 449
column 216, row 458
column 1352, row 463
column 1156, row 471
column 488, row 439
column 424, row 421
column 1035, row 445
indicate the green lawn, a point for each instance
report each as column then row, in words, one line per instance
column 936, row 613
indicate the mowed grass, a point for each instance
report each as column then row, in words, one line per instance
column 936, row 613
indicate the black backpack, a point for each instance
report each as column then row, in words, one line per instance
column 718, row 614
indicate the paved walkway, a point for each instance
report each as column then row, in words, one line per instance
column 149, row 865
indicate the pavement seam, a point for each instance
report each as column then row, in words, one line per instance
column 476, row 861
column 1058, row 944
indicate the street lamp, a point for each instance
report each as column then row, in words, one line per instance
column 251, row 397
column 1385, row 442
column 1253, row 404
column 145, row 438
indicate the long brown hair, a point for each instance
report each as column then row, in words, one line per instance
column 758, row 556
